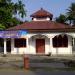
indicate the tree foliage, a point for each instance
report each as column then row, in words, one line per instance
column 8, row 12
column 69, row 18
column 71, row 14
column 61, row 18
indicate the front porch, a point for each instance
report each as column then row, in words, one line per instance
column 40, row 45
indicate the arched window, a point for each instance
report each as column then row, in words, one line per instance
column 65, row 41
column 59, row 41
column 55, row 43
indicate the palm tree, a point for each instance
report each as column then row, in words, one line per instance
column 61, row 19
column 21, row 9
column 71, row 14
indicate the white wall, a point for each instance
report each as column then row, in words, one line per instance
column 43, row 19
column 48, row 45
column 32, row 46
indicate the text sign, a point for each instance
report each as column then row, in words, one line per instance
column 12, row 34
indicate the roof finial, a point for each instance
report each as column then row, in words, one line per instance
column 41, row 8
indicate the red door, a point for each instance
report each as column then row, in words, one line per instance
column 40, row 45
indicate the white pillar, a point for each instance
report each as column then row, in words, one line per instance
column 5, row 52
column 27, row 47
column 12, row 45
column 73, row 41
column 51, row 44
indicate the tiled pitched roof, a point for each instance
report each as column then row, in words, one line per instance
column 41, row 25
column 42, row 13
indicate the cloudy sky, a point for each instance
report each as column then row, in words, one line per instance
column 56, row 7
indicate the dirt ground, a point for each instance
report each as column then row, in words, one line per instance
column 9, row 72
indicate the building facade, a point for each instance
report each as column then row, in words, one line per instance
column 40, row 36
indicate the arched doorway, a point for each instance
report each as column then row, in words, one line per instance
column 40, row 44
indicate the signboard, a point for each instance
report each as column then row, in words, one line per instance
column 22, row 32
column 1, row 34
column 12, row 34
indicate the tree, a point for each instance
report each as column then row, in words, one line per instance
column 2, row 27
column 21, row 9
column 71, row 14
column 61, row 19
column 69, row 18
column 8, row 12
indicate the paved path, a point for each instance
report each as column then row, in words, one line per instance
column 52, row 65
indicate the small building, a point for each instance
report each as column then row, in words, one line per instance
column 40, row 36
